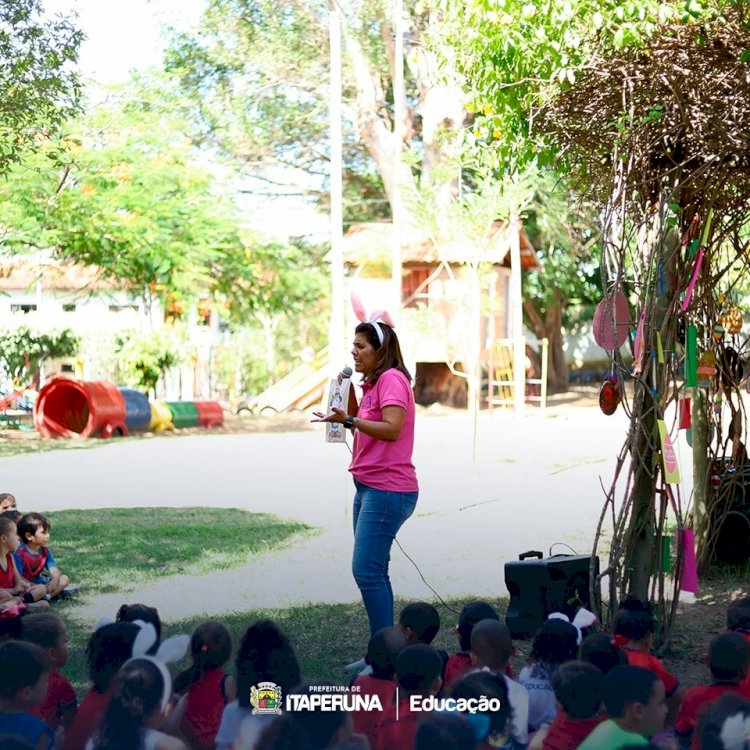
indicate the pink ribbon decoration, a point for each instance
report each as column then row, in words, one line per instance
column 372, row 318
column 693, row 280
column 689, row 577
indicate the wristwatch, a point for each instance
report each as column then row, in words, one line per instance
column 349, row 423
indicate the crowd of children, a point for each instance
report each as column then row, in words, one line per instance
column 606, row 692
column 602, row 692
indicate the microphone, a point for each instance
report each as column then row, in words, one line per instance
column 347, row 372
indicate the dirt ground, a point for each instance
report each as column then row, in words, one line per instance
column 699, row 618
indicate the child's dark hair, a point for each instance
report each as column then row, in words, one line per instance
column 475, row 685
column 265, row 654
column 30, row 523
column 21, row 665
column 43, row 628
column 469, row 616
column 599, row 650
column 417, row 667
column 133, row 612
column 6, row 524
column 382, row 651
column 136, row 693
column 319, row 726
column 444, row 731
column 210, row 648
column 491, row 642
column 729, row 657
column 738, row 615
column 711, row 719
column 578, row 688
column 15, row 742
column 634, row 619
column 108, row 649
column 423, row 620
column 14, row 516
column 284, row 732
column 555, row 642
column 627, row 684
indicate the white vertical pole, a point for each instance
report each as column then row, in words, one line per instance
column 336, row 347
column 398, row 140
column 516, row 299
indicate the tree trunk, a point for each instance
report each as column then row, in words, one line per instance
column 549, row 326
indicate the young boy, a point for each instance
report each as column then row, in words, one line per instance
column 634, row 699
column 418, row 671
column 578, row 692
column 738, row 621
column 24, row 676
column 420, row 623
column 634, row 634
column 33, row 556
column 382, row 652
column 491, row 647
column 444, row 731
column 460, row 662
column 729, row 661
column 7, row 502
column 47, row 631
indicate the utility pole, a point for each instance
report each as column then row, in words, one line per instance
column 336, row 348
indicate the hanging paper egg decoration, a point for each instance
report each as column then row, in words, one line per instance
column 609, row 395
column 706, row 369
column 733, row 321
column 718, row 330
column 612, row 321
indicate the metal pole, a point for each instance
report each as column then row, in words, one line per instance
column 398, row 140
column 516, row 297
column 336, row 347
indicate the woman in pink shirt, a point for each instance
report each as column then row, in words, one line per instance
column 384, row 477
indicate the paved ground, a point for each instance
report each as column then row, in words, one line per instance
column 533, row 483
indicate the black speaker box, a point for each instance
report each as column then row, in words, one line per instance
column 538, row 587
column 730, row 523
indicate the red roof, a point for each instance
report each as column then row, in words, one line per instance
column 22, row 274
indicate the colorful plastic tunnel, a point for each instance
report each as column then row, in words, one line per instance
column 210, row 413
column 137, row 410
column 184, row 413
column 72, row 408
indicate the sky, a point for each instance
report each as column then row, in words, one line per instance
column 126, row 35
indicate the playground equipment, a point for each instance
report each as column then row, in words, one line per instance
column 74, row 408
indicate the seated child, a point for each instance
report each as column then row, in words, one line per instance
column 634, row 633
column 729, row 661
column 7, row 502
column 283, row 732
column 133, row 612
column 34, row 559
column 491, row 646
column 24, row 674
column 444, row 731
column 634, row 699
column 382, row 652
column 207, row 687
column 138, row 706
column 599, row 650
column 578, row 691
column 460, row 662
column 14, row 589
column 724, row 724
column 109, row 647
column 14, row 515
column 738, row 621
column 418, row 671
column 264, row 655
column 47, row 631
column 554, row 643
column 492, row 729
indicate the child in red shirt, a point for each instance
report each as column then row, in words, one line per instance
column 418, row 671
column 578, row 692
column 206, row 685
column 382, row 652
column 47, row 631
column 634, row 634
column 738, row 621
column 729, row 661
column 460, row 662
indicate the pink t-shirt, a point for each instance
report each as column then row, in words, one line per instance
column 382, row 464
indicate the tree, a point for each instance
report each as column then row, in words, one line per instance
column 39, row 83
column 23, row 351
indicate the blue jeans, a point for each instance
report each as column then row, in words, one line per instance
column 378, row 515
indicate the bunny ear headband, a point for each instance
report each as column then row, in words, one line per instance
column 735, row 733
column 583, row 619
column 374, row 318
column 171, row 650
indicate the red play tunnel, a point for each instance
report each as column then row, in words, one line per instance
column 71, row 408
